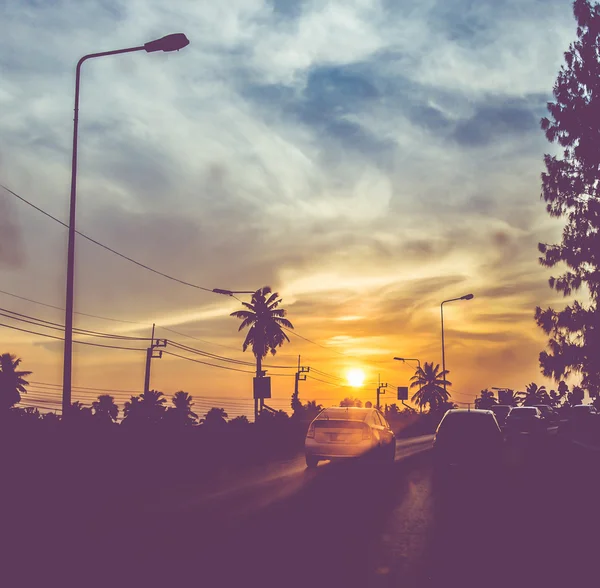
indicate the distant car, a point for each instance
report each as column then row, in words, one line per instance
column 548, row 413
column 582, row 409
column 581, row 419
column 347, row 432
column 467, row 437
column 525, row 420
column 501, row 411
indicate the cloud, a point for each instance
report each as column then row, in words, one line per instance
column 12, row 255
column 364, row 158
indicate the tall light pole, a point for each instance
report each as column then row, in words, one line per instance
column 172, row 42
column 465, row 297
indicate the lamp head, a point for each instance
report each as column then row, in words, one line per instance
column 173, row 42
column 467, row 297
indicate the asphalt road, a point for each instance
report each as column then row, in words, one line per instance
column 533, row 522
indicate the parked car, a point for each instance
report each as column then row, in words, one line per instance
column 580, row 419
column 501, row 411
column 467, row 437
column 348, row 432
column 525, row 420
column 548, row 414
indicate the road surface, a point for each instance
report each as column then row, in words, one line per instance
column 348, row 524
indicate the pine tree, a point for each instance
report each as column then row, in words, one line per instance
column 571, row 189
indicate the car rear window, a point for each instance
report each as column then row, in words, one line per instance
column 471, row 424
column 343, row 414
column 502, row 410
column 334, row 424
column 522, row 413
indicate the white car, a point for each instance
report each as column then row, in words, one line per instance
column 346, row 432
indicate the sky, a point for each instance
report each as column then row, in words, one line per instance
column 366, row 159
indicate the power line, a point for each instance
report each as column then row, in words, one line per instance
column 74, row 341
column 104, row 318
column 372, row 362
column 85, row 388
column 106, row 246
column 52, row 325
column 223, row 358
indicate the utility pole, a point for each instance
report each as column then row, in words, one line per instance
column 150, row 356
column 300, row 377
column 380, row 386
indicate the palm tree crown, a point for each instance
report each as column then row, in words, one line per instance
column 430, row 381
column 148, row 407
column 12, row 382
column 266, row 322
column 182, row 409
column 534, row 394
column 105, row 408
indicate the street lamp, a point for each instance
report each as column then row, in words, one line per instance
column 405, row 359
column 172, row 42
column 465, row 297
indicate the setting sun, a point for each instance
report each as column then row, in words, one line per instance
column 355, row 377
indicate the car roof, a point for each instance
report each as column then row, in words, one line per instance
column 467, row 411
column 341, row 411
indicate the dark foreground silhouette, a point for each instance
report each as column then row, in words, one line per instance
column 533, row 522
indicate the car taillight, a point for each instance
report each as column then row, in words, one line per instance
column 310, row 434
column 366, row 433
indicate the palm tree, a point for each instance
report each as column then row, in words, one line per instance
column 239, row 422
column 485, row 400
column 534, row 394
column 392, row 410
column 430, row 381
column 149, row 408
column 12, row 382
column 348, row 401
column 105, row 408
column 266, row 322
column 215, row 417
column 182, row 413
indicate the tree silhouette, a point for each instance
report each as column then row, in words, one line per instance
column 485, row 400
column 575, row 396
column 430, row 381
column 146, row 409
column 181, row 414
column 215, row 418
column 534, row 395
column 570, row 187
column 392, row 410
column 12, row 381
column 240, row 422
column 266, row 322
column 79, row 410
column 105, row 409
column 28, row 414
column 348, row 401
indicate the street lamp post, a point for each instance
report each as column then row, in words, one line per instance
column 172, row 42
column 405, row 359
column 465, row 297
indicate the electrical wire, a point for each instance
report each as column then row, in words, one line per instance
column 57, row 326
column 104, row 318
column 142, row 265
column 74, row 340
column 223, row 358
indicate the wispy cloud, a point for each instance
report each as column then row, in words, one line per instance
column 365, row 158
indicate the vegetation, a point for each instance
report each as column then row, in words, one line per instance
column 12, row 381
column 485, row 400
column 571, row 189
column 266, row 322
column 430, row 382
column 351, row 402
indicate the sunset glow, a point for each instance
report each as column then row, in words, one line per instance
column 356, row 377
